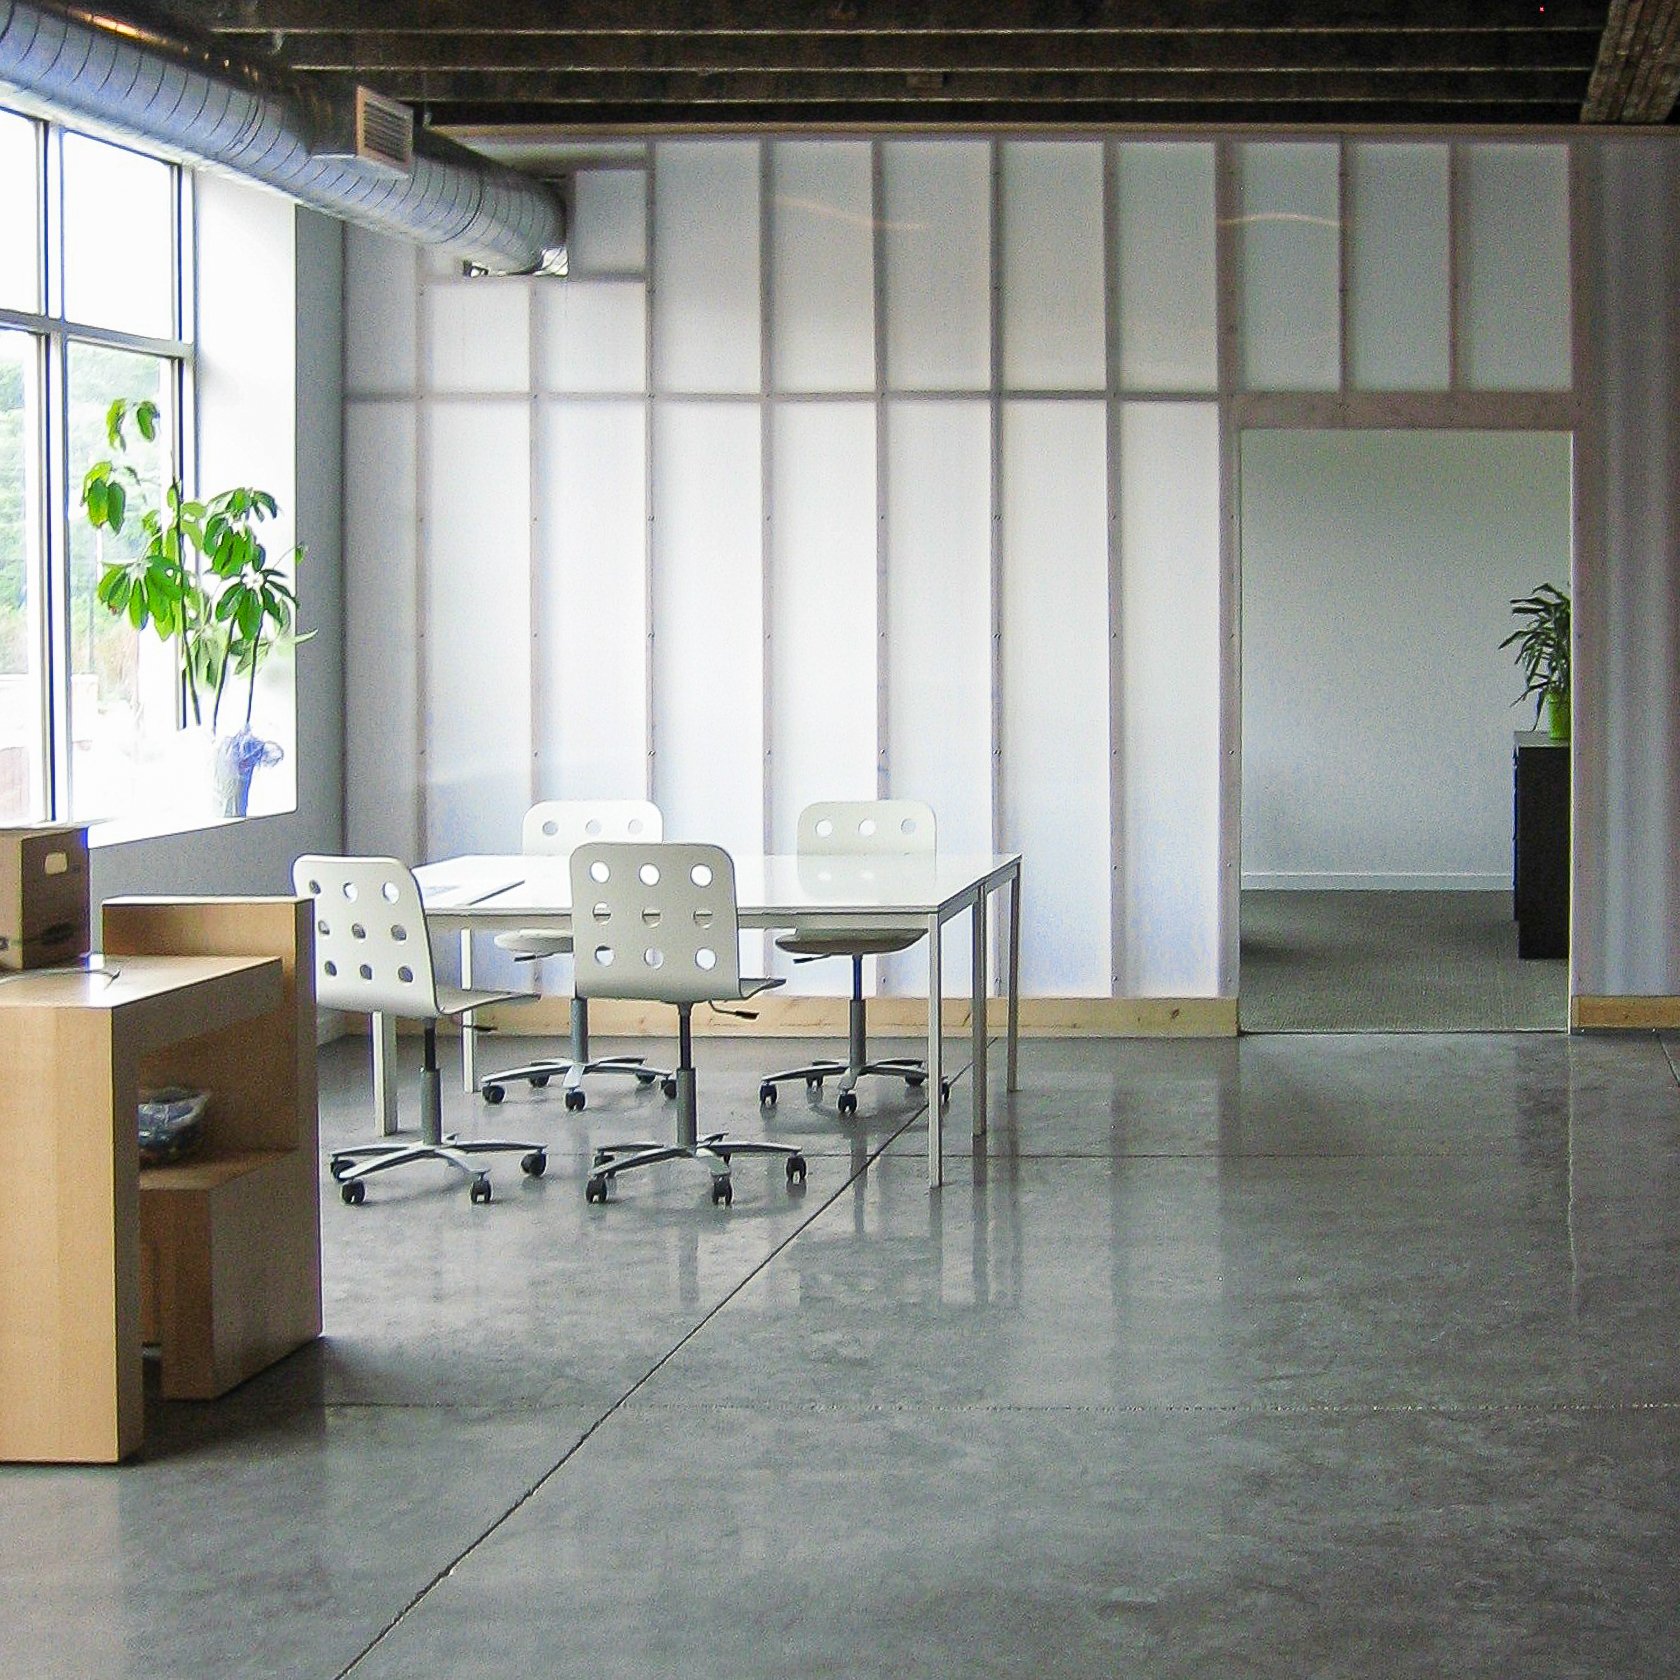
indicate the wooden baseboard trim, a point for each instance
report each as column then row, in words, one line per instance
column 1651, row 1013
column 895, row 1017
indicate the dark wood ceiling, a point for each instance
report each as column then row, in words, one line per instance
column 637, row 64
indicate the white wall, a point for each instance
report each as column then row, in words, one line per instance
column 270, row 410
column 1377, row 572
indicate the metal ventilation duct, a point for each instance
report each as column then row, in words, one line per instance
column 197, row 104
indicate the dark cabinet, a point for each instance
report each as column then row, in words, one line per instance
column 1540, row 844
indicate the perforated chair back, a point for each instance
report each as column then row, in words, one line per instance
column 554, row 827
column 656, row 922
column 371, row 950
column 848, row 827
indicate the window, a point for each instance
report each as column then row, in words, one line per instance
column 91, row 309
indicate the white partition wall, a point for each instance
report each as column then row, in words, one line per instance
column 904, row 466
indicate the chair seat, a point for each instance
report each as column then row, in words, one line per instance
column 453, row 1001
column 535, row 942
column 750, row 988
column 880, row 944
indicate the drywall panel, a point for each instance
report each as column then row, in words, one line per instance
column 1166, row 232
column 822, row 266
column 1171, row 655
column 1516, row 324
column 590, row 592
column 1055, row 700
column 1054, row 337
column 824, row 634
column 608, row 234
column 1377, row 572
column 706, row 326
column 708, row 623
column 478, row 335
column 937, row 232
column 1400, row 284
column 1290, row 265
column 938, row 642
column 476, row 622
column 380, row 294
column 591, row 335
column 382, row 727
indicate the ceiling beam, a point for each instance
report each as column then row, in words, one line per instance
column 1637, row 76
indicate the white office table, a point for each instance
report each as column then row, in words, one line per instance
column 856, row 894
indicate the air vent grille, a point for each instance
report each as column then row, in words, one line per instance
column 384, row 132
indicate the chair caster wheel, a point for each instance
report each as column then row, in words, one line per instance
column 603, row 1157
column 645, row 1079
column 915, row 1080
column 767, row 1095
column 354, row 1192
column 813, row 1082
column 722, row 1191
column 480, row 1191
column 796, row 1169
column 848, row 1102
column 535, row 1164
column 596, row 1189
column 492, row 1094
column 538, row 1080
column 339, row 1168
column 668, row 1086
column 575, row 1098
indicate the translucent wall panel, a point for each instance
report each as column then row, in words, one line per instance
column 591, row 601
column 478, row 335
column 20, row 186
column 1400, row 287
column 1168, row 331
column 706, row 326
column 1290, row 266
column 824, row 640
column 1053, row 325
column 939, row 633
column 708, row 622
column 822, row 267
column 380, row 294
column 1172, row 651
column 936, row 223
column 1056, row 688
column 608, row 234
column 1515, row 329
column 382, row 724
column 824, row 646
column 591, row 335
column 476, row 490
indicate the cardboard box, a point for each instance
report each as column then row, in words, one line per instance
column 43, row 896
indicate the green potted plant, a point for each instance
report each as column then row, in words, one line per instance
column 1542, row 644
column 204, row 580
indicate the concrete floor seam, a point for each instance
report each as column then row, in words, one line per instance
column 618, row 1405
column 1328, row 1408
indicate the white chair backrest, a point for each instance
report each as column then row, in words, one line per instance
column 656, row 922
column 554, row 827
column 847, row 827
column 371, row 950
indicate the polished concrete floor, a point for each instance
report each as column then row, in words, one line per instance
column 1295, row 1356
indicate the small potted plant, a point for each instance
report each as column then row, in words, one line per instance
column 1542, row 644
column 202, row 579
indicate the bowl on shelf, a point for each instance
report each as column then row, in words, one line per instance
column 171, row 1124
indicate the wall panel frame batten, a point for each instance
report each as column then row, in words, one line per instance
column 766, row 488
column 878, row 261
column 1116, row 605
column 1228, row 315
column 994, row 391
column 648, row 366
column 422, row 567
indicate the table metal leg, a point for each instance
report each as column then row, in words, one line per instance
column 469, row 1039
column 935, row 1065
column 977, row 1011
column 1014, row 976
column 385, row 1072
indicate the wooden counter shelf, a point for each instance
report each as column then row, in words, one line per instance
column 216, row 1258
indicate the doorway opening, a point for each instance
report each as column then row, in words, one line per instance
column 1378, row 730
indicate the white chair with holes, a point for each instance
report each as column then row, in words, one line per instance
column 555, row 828
column 658, row 923
column 851, row 828
column 372, row 954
